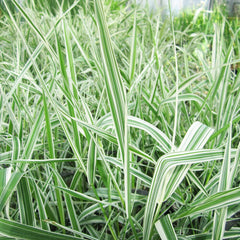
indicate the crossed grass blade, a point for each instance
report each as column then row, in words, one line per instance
column 37, row 50
column 234, row 234
column 162, row 140
column 83, row 235
column 166, row 180
column 9, row 188
column 26, row 154
column 164, row 169
column 59, row 121
column 69, row 85
column 107, row 136
column 51, row 150
column 71, row 211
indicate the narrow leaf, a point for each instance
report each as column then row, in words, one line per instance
column 22, row 231
column 165, row 228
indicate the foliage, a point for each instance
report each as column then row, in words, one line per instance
column 117, row 124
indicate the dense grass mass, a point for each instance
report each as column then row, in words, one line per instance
column 117, row 123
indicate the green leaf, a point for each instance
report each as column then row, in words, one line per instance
column 68, row 201
column 195, row 138
column 5, row 174
column 71, row 230
column 116, row 97
column 220, row 216
column 9, row 188
column 165, row 228
column 215, row 201
column 17, row 230
column 165, row 170
column 41, row 207
column 133, row 50
column 91, row 163
column 25, row 202
column 163, row 141
column 48, row 129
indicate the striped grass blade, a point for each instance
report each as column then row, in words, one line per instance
column 17, row 230
column 224, row 184
column 166, row 180
column 164, row 169
column 165, row 228
column 116, row 97
column 216, row 201
column 162, row 140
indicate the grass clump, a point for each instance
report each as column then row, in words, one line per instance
column 116, row 124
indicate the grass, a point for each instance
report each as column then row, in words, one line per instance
column 118, row 124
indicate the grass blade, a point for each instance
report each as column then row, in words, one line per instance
column 133, row 50
column 26, row 208
column 164, row 170
column 91, row 164
column 116, row 97
column 195, row 138
column 41, row 208
column 165, row 228
column 220, row 216
column 216, row 201
column 163, row 141
column 5, row 174
column 9, row 188
column 22, row 231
